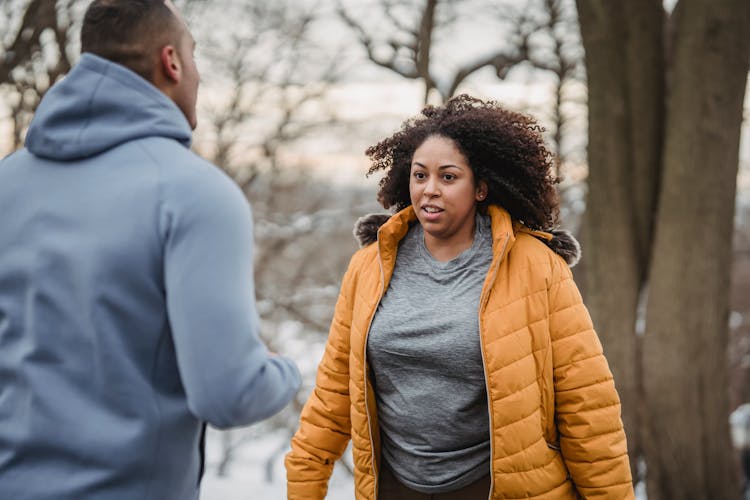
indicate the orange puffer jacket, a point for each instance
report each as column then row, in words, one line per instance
column 554, row 411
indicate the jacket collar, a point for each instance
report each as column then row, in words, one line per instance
column 388, row 230
column 395, row 227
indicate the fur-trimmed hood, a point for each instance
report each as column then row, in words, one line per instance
column 561, row 242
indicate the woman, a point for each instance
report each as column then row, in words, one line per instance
column 461, row 361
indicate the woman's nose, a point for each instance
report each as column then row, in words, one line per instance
column 431, row 187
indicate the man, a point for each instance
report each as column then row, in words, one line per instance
column 127, row 307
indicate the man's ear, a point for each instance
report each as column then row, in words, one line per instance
column 170, row 63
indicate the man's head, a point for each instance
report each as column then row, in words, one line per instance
column 149, row 37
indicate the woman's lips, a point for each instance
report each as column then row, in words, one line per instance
column 431, row 213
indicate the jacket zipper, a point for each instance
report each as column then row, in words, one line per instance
column 483, row 303
column 364, row 369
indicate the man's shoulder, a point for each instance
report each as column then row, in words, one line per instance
column 171, row 155
column 16, row 157
column 181, row 168
column 193, row 186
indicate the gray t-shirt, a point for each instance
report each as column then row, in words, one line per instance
column 424, row 350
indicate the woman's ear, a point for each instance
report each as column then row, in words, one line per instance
column 481, row 191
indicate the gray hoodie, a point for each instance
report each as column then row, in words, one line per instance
column 127, row 304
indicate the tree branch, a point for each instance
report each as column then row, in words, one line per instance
column 39, row 15
column 368, row 44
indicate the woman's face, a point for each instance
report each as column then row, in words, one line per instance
column 444, row 193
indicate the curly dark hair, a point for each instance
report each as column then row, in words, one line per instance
column 503, row 148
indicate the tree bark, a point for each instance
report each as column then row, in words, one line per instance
column 665, row 134
column 685, row 358
column 626, row 88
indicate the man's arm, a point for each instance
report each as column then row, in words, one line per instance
column 229, row 376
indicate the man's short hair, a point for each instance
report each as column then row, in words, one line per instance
column 129, row 32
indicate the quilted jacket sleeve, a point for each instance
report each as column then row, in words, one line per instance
column 587, row 407
column 325, row 428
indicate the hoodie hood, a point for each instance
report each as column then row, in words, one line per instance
column 100, row 105
column 563, row 243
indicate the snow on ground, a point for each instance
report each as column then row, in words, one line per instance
column 245, row 479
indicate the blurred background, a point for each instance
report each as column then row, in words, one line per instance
column 642, row 102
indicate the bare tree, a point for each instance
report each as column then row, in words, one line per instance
column 556, row 49
column 35, row 50
column 665, row 110
column 405, row 46
column 555, row 54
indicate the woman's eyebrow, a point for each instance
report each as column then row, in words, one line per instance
column 449, row 165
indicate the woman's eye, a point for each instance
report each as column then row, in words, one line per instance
column 449, row 177
column 419, row 175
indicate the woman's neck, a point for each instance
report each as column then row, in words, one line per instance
column 444, row 250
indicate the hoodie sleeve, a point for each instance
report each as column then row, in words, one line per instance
column 230, row 378
column 587, row 407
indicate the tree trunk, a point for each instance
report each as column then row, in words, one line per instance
column 626, row 87
column 685, row 360
column 666, row 134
